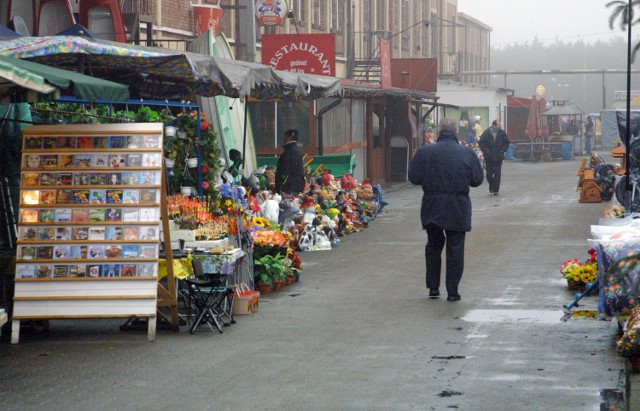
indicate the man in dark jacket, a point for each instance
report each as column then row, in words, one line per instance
column 493, row 144
column 290, row 170
column 445, row 171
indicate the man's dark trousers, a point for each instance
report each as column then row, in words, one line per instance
column 436, row 238
column 494, row 173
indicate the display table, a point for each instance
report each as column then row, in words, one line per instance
column 224, row 263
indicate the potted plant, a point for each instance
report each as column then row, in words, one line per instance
column 273, row 267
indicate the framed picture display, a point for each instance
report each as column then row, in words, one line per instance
column 89, row 221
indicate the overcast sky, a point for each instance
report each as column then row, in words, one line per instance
column 516, row 21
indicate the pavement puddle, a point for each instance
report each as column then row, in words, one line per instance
column 514, row 316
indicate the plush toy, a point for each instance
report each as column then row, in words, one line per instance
column 271, row 209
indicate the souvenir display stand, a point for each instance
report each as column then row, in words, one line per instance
column 89, row 223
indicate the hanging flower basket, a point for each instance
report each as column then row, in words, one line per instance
column 182, row 135
column 186, row 191
column 169, row 162
column 192, row 162
column 170, row 131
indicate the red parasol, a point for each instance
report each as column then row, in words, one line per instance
column 543, row 128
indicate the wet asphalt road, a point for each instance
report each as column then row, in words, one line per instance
column 359, row 333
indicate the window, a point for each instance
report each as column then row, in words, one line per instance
column 336, row 11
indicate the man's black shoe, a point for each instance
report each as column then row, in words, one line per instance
column 453, row 298
column 434, row 292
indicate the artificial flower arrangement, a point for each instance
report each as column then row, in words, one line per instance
column 579, row 274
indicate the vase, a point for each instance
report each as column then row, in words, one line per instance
column 635, row 364
column 192, row 162
column 169, row 162
column 296, row 277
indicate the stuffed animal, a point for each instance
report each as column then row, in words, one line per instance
column 271, row 209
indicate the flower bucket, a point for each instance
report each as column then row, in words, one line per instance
column 192, row 162
column 186, row 191
column 244, row 300
column 169, row 162
column 170, row 131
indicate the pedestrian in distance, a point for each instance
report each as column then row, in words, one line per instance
column 290, row 170
column 493, row 144
column 446, row 170
column 588, row 128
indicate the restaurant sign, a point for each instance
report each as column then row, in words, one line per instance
column 271, row 12
column 300, row 53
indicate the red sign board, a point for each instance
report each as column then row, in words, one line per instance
column 301, row 53
column 206, row 17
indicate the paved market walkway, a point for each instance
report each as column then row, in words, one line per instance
column 359, row 333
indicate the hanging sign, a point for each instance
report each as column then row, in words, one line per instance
column 300, row 53
column 271, row 12
column 205, row 17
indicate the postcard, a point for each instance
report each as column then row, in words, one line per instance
column 147, row 270
column 30, row 234
column 113, row 179
column 111, row 270
column 45, row 216
column 134, row 160
column 149, row 214
column 48, row 179
column 46, row 196
column 81, row 196
column 60, row 271
column 98, row 178
column 31, row 197
column 148, row 251
column 96, row 251
column 113, row 251
column 151, row 141
column 83, row 160
column 45, row 271
column 93, row 270
column 130, row 178
column 134, row 142
column 27, row 252
column 114, row 196
column 131, row 233
column 26, row 270
column 66, row 160
column 79, row 251
column 77, row 270
column 148, row 195
column 101, row 142
column 44, row 252
column 130, row 197
column 113, row 214
column 80, row 233
column 100, row 160
column 97, row 215
column 130, row 214
column 61, row 252
column 117, row 160
column 46, row 233
column 96, row 233
column 63, row 234
column 130, row 251
column 32, row 142
column 98, row 197
column 81, row 179
column 151, row 160
column 84, row 142
column 113, row 233
column 65, row 196
column 63, row 215
column 117, row 142
column 128, row 270
column 80, row 215
column 64, row 179
column 29, row 179
column 149, row 233
column 66, row 142
column 28, row 215
column 49, row 160
column 33, row 160
column 49, row 142
column 149, row 177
